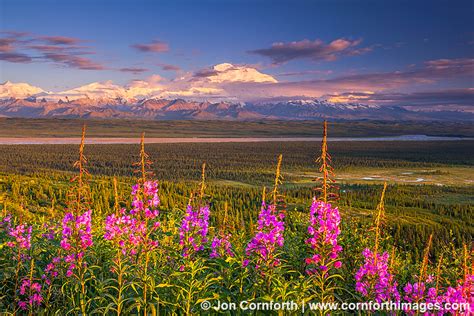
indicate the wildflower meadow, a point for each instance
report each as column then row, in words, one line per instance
column 198, row 258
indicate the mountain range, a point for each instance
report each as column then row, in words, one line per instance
column 106, row 100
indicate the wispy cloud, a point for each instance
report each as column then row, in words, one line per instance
column 46, row 48
column 316, row 50
column 431, row 71
column 153, row 47
column 22, row 47
column 134, row 70
column 361, row 86
column 6, row 45
column 305, row 73
column 429, row 98
column 9, row 49
column 60, row 40
column 168, row 67
column 15, row 57
column 73, row 61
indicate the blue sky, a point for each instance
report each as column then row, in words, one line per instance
column 292, row 41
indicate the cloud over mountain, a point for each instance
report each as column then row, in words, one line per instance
column 316, row 50
column 244, row 83
column 233, row 73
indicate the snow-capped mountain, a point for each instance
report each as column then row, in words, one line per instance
column 18, row 90
column 107, row 100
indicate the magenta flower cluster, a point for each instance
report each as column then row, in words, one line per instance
column 76, row 238
column 463, row 293
column 32, row 291
column 21, row 236
column 268, row 238
column 130, row 232
column 421, row 292
column 324, row 230
column 145, row 200
column 126, row 232
column 374, row 281
column 221, row 247
column 193, row 230
column 52, row 270
column 6, row 221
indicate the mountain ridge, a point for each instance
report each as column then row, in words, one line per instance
column 107, row 100
column 164, row 109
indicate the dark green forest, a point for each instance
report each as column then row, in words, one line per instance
column 35, row 179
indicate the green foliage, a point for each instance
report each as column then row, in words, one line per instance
column 36, row 185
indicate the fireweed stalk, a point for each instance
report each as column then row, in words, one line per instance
column 195, row 224
column 373, row 279
column 324, row 231
column 76, row 235
column 462, row 293
column 31, row 291
column 324, row 228
column 193, row 230
column 144, row 214
column 132, row 233
column 424, row 290
column 20, row 242
column 221, row 245
column 327, row 189
column 76, row 239
column 269, row 237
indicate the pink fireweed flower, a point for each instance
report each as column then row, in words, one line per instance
column 463, row 293
column 373, row 279
column 6, row 221
column 422, row 292
column 76, row 238
column 268, row 238
column 31, row 291
column 324, row 229
column 52, row 270
column 21, row 236
column 193, row 230
column 131, row 232
column 145, row 199
column 125, row 231
column 221, row 247
column 78, row 228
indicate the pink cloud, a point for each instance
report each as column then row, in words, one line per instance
column 315, row 50
column 74, row 61
column 20, row 47
column 154, row 47
column 60, row 40
column 14, row 57
column 6, row 45
column 431, row 72
column 168, row 67
column 133, row 70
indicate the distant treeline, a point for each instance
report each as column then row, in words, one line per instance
column 23, row 127
column 244, row 162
